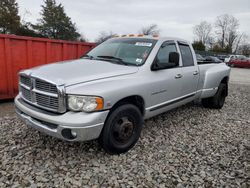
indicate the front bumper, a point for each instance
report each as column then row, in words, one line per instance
column 70, row 126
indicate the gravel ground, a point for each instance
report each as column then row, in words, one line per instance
column 240, row 76
column 187, row 147
column 7, row 108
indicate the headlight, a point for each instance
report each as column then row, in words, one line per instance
column 84, row 103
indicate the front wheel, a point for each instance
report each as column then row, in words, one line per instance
column 122, row 129
column 218, row 100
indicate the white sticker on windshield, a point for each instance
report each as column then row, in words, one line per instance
column 138, row 60
column 143, row 44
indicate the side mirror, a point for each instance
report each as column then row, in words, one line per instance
column 174, row 58
column 173, row 61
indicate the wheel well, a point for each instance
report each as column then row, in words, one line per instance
column 225, row 81
column 135, row 100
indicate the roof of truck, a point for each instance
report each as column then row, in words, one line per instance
column 154, row 37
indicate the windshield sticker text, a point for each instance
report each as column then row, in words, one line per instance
column 143, row 44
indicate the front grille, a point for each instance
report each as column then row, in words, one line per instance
column 26, row 93
column 45, row 86
column 25, row 80
column 47, row 101
column 41, row 94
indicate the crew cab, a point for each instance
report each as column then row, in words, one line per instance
column 109, row 92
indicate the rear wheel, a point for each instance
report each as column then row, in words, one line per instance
column 122, row 129
column 218, row 100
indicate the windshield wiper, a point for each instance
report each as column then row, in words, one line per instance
column 119, row 60
column 86, row 56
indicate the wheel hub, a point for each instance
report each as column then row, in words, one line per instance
column 123, row 129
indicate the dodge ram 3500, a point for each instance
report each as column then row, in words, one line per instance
column 110, row 91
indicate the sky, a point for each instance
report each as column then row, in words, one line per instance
column 175, row 18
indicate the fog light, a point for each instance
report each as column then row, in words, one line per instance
column 73, row 133
column 68, row 134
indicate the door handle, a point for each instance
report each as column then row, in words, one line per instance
column 178, row 76
column 195, row 73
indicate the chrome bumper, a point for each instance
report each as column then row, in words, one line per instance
column 70, row 126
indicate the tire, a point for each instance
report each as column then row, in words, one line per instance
column 218, row 100
column 122, row 129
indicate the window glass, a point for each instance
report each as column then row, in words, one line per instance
column 186, row 54
column 133, row 51
column 163, row 54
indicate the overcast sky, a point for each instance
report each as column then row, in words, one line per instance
column 174, row 17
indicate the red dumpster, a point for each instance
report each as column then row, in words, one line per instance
column 18, row 52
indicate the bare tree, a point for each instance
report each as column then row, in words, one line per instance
column 103, row 36
column 242, row 45
column 210, row 42
column 202, row 32
column 226, row 30
column 240, row 40
column 150, row 30
column 245, row 49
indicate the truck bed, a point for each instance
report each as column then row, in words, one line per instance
column 211, row 75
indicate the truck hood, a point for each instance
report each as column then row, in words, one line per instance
column 79, row 71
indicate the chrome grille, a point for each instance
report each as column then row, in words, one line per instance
column 42, row 94
column 26, row 93
column 45, row 86
column 25, row 80
column 47, row 101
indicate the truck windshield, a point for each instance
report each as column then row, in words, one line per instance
column 128, row 51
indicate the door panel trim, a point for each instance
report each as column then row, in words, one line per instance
column 167, row 103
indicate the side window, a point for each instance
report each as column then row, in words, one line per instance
column 163, row 54
column 186, row 54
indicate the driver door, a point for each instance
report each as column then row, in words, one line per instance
column 167, row 83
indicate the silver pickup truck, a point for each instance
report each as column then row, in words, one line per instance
column 110, row 91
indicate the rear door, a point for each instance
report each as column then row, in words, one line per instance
column 190, row 71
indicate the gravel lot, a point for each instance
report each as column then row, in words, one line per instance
column 240, row 76
column 190, row 146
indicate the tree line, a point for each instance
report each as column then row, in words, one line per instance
column 222, row 36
